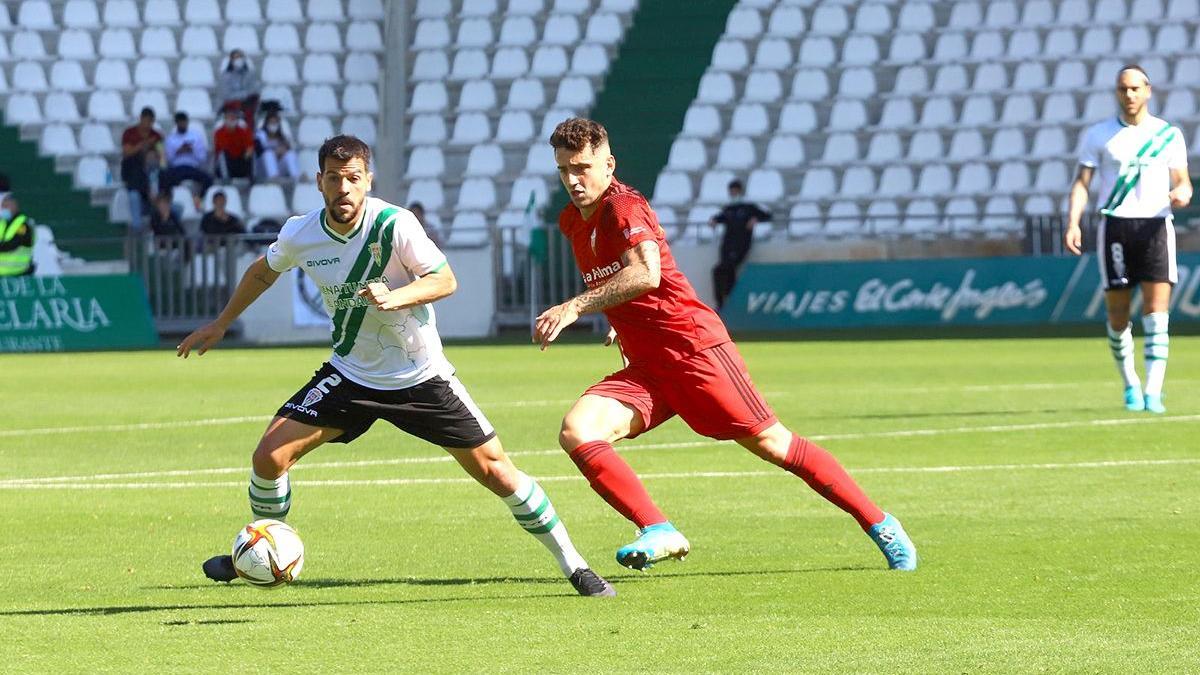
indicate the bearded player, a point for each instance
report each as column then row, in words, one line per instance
column 379, row 273
column 680, row 361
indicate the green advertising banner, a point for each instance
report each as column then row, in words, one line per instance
column 956, row 291
column 56, row 314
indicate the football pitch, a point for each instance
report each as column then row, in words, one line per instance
column 1057, row 532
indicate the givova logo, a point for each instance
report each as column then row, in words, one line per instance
column 318, row 392
column 322, row 262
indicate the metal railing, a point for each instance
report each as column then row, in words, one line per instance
column 189, row 279
column 1044, row 234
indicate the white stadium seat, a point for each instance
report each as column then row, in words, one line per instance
column 29, row 76
column 860, row 50
column 749, row 119
column 279, row 69
column 367, row 37
column 895, row 181
column 743, row 23
column 59, row 106
column 313, row 130
column 117, row 43
column 715, row 88
column 872, row 18
column 549, row 61
column 925, row 145
column 155, row 99
column 199, row 41
column 525, row 187
column 897, row 113
column 919, row 16
column 589, row 60
column 911, row 80
column 804, row 219
column 1037, row 13
column 361, row 67
column 673, row 189
column 714, row 186
column 285, row 11
column 575, row 93
column 427, row 129
column 196, row 102
column 306, row 198
column 325, row 10
column 152, row 72
column 518, row 31
column 786, row 21
column 22, row 109
column 817, row 183
column 840, row 148
column 76, row 43
column 36, row 14
column 736, row 152
column 430, row 65
column 477, row 193
column 362, row 126
column 603, row 28
column 561, row 29
column 67, row 76
column 243, row 12
column 829, row 20
column 762, row 86
column 973, row 178
column 526, row 94
column 810, row 84
column 884, row 147
column 474, row 33
column 96, row 138
column 361, row 99
column 323, row 37
column 202, row 12
column 966, row 144
column 58, row 139
column 817, row 51
column 935, row 179
column 124, row 13
column 485, row 160
column 1061, row 42
column 471, row 128
column 281, row 38
column 730, row 55
column 469, row 229
column 1029, row 76
column 952, row 78
column 774, row 54
column 469, row 64
column 267, row 200
column 798, row 117
column 478, row 8
column 509, row 63
column 921, row 216
column 92, row 171
column 907, row 48
column 429, row 97
column 431, row 34
column 106, row 105
column 318, row 99
column 515, row 127
column 687, row 154
column 857, row 182
column 241, row 37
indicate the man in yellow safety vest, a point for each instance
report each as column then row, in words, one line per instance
column 16, row 239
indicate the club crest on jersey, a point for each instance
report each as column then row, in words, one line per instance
column 376, row 250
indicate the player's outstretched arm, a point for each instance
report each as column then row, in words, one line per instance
column 641, row 272
column 436, row 285
column 1181, row 190
column 257, row 279
column 1073, row 238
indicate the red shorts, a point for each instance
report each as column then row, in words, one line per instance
column 710, row 390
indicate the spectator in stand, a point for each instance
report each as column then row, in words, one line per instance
column 276, row 153
column 163, row 219
column 140, row 144
column 187, row 159
column 418, row 210
column 238, row 83
column 220, row 221
column 16, row 239
column 233, row 144
column 739, row 218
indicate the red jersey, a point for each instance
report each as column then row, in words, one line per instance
column 233, row 141
column 665, row 324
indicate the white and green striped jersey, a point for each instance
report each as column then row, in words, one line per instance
column 382, row 350
column 1134, row 165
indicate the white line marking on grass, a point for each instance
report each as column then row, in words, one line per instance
column 637, row 446
column 381, row 482
column 141, row 426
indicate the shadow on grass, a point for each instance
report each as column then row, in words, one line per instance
column 629, row 577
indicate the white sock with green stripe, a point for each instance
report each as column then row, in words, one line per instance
column 534, row 512
column 270, row 497
column 1121, row 344
column 1157, row 346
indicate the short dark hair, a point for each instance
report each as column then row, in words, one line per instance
column 1135, row 67
column 736, row 184
column 578, row 133
column 181, row 116
column 218, row 193
column 344, row 148
column 147, row 112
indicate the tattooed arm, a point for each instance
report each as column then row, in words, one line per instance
column 257, row 279
column 640, row 272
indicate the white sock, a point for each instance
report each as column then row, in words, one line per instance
column 1157, row 346
column 534, row 512
column 1121, row 344
column 270, row 497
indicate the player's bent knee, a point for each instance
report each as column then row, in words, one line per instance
column 770, row 444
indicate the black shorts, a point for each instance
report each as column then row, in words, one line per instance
column 438, row 410
column 1133, row 250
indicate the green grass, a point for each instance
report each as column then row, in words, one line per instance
column 1069, row 547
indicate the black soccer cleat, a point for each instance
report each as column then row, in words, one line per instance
column 219, row 568
column 588, row 583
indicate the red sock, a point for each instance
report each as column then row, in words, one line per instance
column 613, row 480
column 824, row 474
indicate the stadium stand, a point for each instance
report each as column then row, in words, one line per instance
column 960, row 116
column 73, row 74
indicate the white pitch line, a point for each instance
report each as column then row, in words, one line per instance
column 383, row 482
column 999, row 428
column 221, row 421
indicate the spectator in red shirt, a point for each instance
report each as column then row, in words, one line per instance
column 138, row 142
column 233, row 142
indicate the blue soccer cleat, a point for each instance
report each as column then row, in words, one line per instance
column 1154, row 404
column 655, row 543
column 1133, row 399
column 890, row 537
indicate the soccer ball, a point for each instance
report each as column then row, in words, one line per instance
column 268, row 553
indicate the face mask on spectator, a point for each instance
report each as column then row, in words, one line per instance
column 239, row 62
column 5, row 214
column 272, row 128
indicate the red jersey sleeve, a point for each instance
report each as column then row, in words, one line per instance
column 630, row 217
